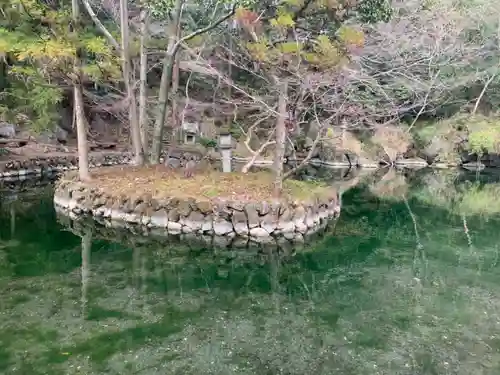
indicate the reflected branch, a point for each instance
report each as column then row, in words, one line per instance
column 419, row 249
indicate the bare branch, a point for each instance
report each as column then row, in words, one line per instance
column 100, row 25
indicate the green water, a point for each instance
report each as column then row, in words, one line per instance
column 407, row 282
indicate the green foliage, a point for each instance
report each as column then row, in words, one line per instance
column 41, row 49
column 207, row 142
column 372, row 11
column 159, row 9
column 236, row 132
column 325, row 47
column 484, row 135
column 475, row 134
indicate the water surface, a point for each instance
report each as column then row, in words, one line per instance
column 407, row 282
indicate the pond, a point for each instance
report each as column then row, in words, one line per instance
column 406, row 282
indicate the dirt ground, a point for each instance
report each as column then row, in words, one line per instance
column 160, row 181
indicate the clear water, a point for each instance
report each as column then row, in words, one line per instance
column 407, row 282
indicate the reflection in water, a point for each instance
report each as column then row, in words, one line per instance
column 86, row 247
column 400, row 286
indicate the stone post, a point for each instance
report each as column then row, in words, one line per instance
column 225, row 147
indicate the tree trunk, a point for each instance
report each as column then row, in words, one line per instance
column 143, row 119
column 165, row 83
column 79, row 116
column 168, row 66
column 176, row 123
column 81, row 133
column 4, row 74
column 127, row 76
column 280, row 137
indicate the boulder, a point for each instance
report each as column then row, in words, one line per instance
column 7, row 130
column 240, row 223
column 252, row 215
column 61, row 134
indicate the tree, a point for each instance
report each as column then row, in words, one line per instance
column 46, row 60
column 291, row 47
column 135, row 131
column 143, row 120
column 175, row 43
column 123, row 48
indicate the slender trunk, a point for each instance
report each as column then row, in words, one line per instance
column 176, row 120
column 4, row 74
column 232, row 25
column 78, row 114
column 176, row 123
column 280, row 138
column 166, row 80
column 81, row 133
column 127, row 77
column 483, row 91
column 143, row 120
column 100, row 25
column 309, row 155
column 165, row 83
column 168, row 65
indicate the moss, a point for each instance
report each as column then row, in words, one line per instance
column 461, row 133
column 162, row 182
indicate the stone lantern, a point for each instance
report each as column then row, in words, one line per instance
column 225, row 147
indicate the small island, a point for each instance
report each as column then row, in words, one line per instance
column 210, row 203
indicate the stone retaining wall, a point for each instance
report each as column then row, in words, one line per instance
column 39, row 166
column 138, row 236
column 24, row 184
column 259, row 221
column 46, row 165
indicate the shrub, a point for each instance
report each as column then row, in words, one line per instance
column 484, row 135
column 394, row 140
column 207, row 142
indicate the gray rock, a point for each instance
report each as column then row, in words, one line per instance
column 252, row 216
column 61, row 134
column 367, row 163
column 186, row 229
column 269, row 222
column 7, row 130
column 300, row 227
column 159, row 219
column 222, row 227
column 259, row 232
column 286, row 215
column 117, row 215
column 298, row 237
column 299, row 215
column 263, row 208
column 240, row 223
column 173, row 163
column 194, row 221
column 286, row 227
column 132, row 218
column 174, row 228
column 412, row 163
column 207, row 224
column 474, row 166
